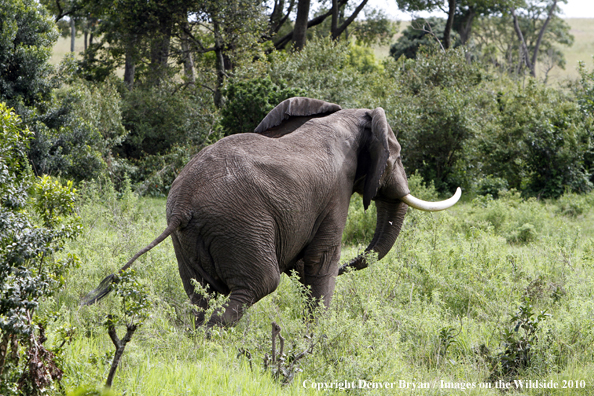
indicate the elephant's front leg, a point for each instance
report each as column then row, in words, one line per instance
column 320, row 270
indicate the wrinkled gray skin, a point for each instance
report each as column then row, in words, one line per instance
column 255, row 205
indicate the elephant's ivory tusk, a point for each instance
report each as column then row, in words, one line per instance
column 431, row 206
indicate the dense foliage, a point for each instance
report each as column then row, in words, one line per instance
column 27, row 34
column 35, row 223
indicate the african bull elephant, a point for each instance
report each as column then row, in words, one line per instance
column 249, row 207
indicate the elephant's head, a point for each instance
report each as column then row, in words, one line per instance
column 380, row 175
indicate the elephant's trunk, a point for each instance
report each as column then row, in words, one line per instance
column 390, row 217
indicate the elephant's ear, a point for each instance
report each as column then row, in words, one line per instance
column 378, row 154
column 290, row 114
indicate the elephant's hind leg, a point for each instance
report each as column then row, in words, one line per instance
column 250, row 283
column 239, row 301
column 186, row 263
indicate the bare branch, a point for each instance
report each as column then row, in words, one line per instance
column 430, row 31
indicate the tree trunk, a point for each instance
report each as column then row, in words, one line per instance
column 189, row 70
column 540, row 34
column 283, row 41
column 277, row 15
column 160, row 54
column 464, row 24
column 130, row 66
column 345, row 24
column 334, row 25
column 72, row 34
column 86, row 37
column 300, row 31
column 219, row 62
column 447, row 40
column 523, row 48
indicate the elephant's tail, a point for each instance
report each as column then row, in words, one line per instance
column 105, row 286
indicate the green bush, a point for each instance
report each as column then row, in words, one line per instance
column 436, row 113
column 518, row 220
column 159, row 117
column 27, row 35
column 75, row 135
column 491, row 186
column 538, row 142
column 329, row 70
column 249, row 101
column 36, row 219
column 573, row 205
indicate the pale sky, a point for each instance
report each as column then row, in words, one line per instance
column 573, row 9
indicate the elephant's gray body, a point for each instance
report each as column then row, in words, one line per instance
column 253, row 206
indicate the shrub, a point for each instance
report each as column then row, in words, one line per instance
column 538, row 142
column 518, row 342
column 33, row 227
column 491, row 186
column 573, row 205
column 323, row 70
column 27, row 35
column 436, row 113
column 75, row 135
column 249, row 101
column 159, row 117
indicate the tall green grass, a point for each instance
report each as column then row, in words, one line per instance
column 435, row 308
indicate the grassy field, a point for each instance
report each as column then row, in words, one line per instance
column 581, row 50
column 456, row 304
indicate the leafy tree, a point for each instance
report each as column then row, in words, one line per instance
column 339, row 21
column 75, row 135
column 375, row 28
column 36, row 219
column 27, row 35
column 584, row 92
column 327, row 70
column 535, row 9
column 159, row 117
column 497, row 41
column 460, row 14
